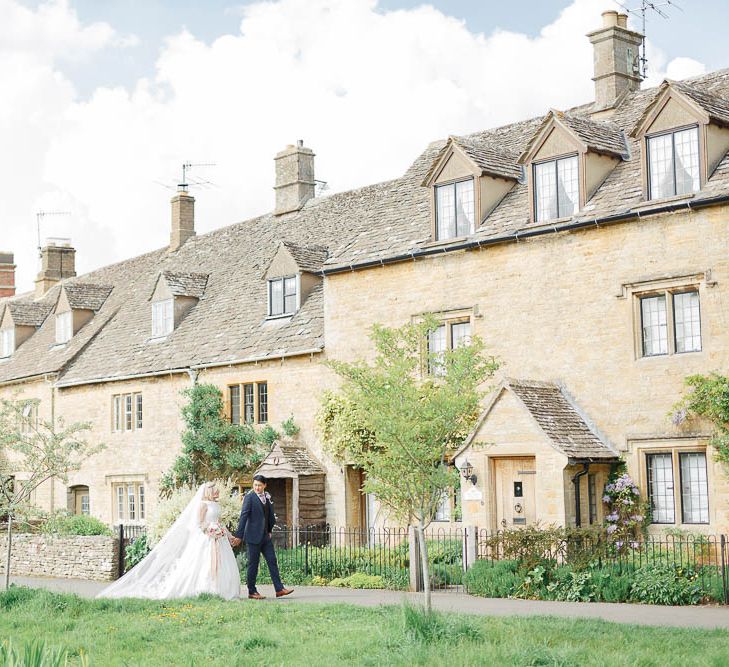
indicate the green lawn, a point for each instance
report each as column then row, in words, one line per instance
column 208, row 631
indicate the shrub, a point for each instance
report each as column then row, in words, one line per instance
column 135, row 552
column 662, row 584
column 63, row 523
column 492, row 579
column 570, row 586
column 612, row 584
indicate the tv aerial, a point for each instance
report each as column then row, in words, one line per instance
column 187, row 181
column 646, row 7
column 39, row 217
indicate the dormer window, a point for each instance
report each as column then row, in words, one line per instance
column 556, row 188
column 163, row 319
column 7, row 343
column 282, row 296
column 673, row 163
column 64, row 327
column 455, row 209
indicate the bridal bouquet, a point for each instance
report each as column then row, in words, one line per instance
column 215, row 531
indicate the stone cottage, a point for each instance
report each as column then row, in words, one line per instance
column 587, row 247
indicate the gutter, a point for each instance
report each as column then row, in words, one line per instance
column 187, row 369
column 517, row 236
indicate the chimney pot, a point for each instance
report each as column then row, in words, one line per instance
column 183, row 219
column 609, row 18
column 7, row 274
column 58, row 262
column 622, row 20
column 295, row 183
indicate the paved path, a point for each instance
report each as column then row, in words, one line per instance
column 690, row 617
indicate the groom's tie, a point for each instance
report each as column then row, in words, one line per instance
column 262, row 497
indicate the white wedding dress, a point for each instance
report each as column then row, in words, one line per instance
column 193, row 557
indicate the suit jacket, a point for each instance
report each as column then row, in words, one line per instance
column 256, row 520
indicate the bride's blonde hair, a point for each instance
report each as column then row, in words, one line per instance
column 209, row 491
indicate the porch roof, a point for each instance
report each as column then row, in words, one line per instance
column 289, row 460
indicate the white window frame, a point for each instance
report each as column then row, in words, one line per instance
column 127, row 412
column 129, row 502
column 669, row 295
column 284, row 281
column 556, row 161
column 649, row 176
column 163, row 318
column 64, row 327
column 7, row 342
column 441, row 188
column 431, row 366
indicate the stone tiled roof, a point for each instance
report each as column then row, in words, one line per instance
column 399, row 227
column 87, row 296
column 560, row 420
column 716, row 107
column 292, row 458
column 29, row 314
column 185, row 283
column 492, row 160
column 307, row 258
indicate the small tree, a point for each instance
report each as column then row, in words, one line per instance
column 398, row 421
column 41, row 451
column 212, row 447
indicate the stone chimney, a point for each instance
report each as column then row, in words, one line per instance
column 7, row 274
column 183, row 219
column 294, row 178
column 616, row 59
column 58, row 262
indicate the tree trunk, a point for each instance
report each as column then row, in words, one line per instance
column 7, row 558
column 424, row 564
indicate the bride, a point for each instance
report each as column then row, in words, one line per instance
column 194, row 556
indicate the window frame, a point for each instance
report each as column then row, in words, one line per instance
column 672, row 132
column 64, row 327
column 436, row 218
column 129, row 502
column 296, row 295
column 448, row 323
column 127, row 412
column 556, row 159
column 250, row 411
column 669, row 293
column 7, row 342
column 163, row 324
column 29, row 422
column 676, row 452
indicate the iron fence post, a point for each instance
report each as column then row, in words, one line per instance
column 723, row 570
column 121, row 550
column 306, row 557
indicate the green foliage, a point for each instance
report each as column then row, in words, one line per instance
column 359, row 580
column 212, row 447
column 136, row 551
column 34, row 653
column 63, row 523
column 665, row 584
column 289, row 427
column 627, row 516
column 708, row 397
column 492, row 579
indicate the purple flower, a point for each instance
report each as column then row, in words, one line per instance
column 637, row 517
column 612, row 517
column 634, row 545
column 611, row 529
column 606, row 499
column 619, row 545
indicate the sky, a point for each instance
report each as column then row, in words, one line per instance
column 103, row 100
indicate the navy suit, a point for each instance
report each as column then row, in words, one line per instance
column 254, row 527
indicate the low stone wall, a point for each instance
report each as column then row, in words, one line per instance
column 68, row 556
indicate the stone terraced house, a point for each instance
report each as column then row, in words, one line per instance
column 587, row 247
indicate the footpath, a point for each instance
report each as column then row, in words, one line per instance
column 638, row 614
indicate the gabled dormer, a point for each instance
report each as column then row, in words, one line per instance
column 684, row 134
column 293, row 272
column 77, row 303
column 467, row 180
column 173, row 295
column 567, row 159
column 18, row 322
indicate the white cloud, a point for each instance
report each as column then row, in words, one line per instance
column 366, row 89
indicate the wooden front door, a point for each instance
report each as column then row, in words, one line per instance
column 81, row 500
column 515, row 498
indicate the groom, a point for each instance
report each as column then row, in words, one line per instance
column 255, row 525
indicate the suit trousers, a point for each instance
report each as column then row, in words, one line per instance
column 254, row 558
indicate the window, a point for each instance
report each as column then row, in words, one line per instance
column 282, row 296
column 556, row 189
column 126, row 412
column 692, row 495
column 592, row 499
column 29, row 418
column 673, row 163
column 7, row 342
column 255, row 403
column 248, row 403
column 447, row 336
column 443, row 511
column 234, row 404
column 262, row 402
column 454, row 210
column 85, row 503
column 130, row 502
column 677, row 312
column 64, row 327
column 163, row 320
